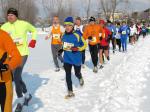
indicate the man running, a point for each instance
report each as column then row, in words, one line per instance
column 133, row 32
column 112, row 28
column 144, row 31
column 117, row 36
column 92, row 33
column 79, row 29
column 104, row 43
column 18, row 30
column 55, row 33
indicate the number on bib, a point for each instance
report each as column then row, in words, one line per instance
column 56, row 36
column 124, row 32
column 18, row 41
column 67, row 46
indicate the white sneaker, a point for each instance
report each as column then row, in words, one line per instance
column 95, row 70
column 20, row 100
column 83, row 65
column 57, row 69
column 27, row 95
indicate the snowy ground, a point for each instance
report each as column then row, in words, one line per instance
column 122, row 86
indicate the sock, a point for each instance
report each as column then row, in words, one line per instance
column 27, row 95
column 21, row 100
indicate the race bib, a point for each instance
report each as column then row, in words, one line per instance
column 67, row 46
column 124, row 32
column 100, row 34
column 18, row 41
column 56, row 36
column 93, row 39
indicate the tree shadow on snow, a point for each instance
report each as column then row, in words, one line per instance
column 33, row 82
column 89, row 64
column 75, row 81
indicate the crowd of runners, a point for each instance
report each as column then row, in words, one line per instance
column 70, row 43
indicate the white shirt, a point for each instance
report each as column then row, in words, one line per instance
column 62, row 29
column 79, row 27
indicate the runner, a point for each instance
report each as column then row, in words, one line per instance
column 144, row 31
column 133, row 32
column 138, row 26
column 124, row 31
column 73, row 45
column 112, row 28
column 117, row 36
column 18, row 30
column 92, row 33
column 7, row 64
column 55, row 33
column 104, row 43
column 79, row 29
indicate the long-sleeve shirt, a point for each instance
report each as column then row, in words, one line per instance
column 18, row 32
column 93, row 31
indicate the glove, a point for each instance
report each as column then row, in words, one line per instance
column 4, row 67
column 32, row 43
column 74, row 49
column 90, row 37
column 60, row 52
column 101, row 38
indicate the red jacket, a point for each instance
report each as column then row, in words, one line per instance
column 104, row 41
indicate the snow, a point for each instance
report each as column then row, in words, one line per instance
column 122, row 86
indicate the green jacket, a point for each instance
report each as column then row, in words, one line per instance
column 18, row 31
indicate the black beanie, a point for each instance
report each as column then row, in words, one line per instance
column 12, row 11
column 92, row 19
column 108, row 21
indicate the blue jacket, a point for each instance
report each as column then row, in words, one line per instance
column 124, row 31
column 73, row 40
column 144, row 30
column 79, row 30
column 112, row 28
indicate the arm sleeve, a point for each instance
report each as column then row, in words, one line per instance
column 84, row 44
column 33, row 30
column 10, row 47
column 85, row 33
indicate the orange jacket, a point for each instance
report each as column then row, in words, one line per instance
column 7, row 45
column 93, row 31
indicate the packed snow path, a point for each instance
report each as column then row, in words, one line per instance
column 117, row 88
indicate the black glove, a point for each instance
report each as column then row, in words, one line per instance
column 90, row 38
column 101, row 38
column 60, row 52
column 4, row 67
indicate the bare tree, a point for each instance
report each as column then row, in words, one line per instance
column 87, row 7
column 60, row 8
column 48, row 6
column 26, row 8
column 109, row 7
